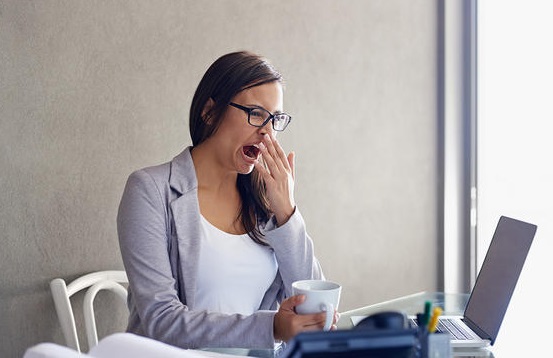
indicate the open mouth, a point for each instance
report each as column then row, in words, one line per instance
column 251, row 151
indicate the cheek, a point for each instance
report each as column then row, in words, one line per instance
column 227, row 128
column 235, row 136
column 235, row 124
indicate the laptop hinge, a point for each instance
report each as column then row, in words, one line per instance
column 477, row 330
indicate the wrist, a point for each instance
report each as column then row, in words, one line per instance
column 276, row 331
column 283, row 217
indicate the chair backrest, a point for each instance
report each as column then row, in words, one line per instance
column 93, row 283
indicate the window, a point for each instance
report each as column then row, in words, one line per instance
column 515, row 142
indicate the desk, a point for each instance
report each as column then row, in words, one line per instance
column 453, row 304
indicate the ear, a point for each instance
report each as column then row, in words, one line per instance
column 207, row 109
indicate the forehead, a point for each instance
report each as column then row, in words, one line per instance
column 268, row 96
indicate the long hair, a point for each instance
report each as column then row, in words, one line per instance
column 228, row 75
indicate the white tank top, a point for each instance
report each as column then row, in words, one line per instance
column 233, row 272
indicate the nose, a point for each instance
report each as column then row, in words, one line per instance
column 267, row 128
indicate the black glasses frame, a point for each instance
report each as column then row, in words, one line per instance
column 271, row 117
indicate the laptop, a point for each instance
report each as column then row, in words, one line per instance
column 496, row 281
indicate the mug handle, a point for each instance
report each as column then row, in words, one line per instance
column 329, row 309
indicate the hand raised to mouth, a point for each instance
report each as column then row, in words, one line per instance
column 278, row 176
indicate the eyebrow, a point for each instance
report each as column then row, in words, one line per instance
column 263, row 108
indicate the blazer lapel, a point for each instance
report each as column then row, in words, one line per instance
column 186, row 217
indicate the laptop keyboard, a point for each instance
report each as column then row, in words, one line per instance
column 452, row 327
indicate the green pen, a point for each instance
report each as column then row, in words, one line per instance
column 426, row 316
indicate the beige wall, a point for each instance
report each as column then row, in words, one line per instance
column 91, row 90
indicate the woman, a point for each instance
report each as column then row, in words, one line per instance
column 212, row 240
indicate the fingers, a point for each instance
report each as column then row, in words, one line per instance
column 292, row 163
column 313, row 322
column 316, row 321
column 279, row 151
column 287, row 323
column 274, row 155
column 334, row 325
column 277, row 172
column 274, row 148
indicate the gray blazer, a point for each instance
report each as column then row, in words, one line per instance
column 160, row 238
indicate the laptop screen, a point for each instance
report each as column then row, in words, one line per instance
column 499, row 275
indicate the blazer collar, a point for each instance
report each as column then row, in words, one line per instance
column 182, row 178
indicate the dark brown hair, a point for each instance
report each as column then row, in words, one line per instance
column 228, row 75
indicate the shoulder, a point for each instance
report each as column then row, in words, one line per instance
column 149, row 177
column 178, row 174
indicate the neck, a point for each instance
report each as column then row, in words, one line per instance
column 218, row 194
column 211, row 174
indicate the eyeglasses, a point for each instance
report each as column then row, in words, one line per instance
column 259, row 117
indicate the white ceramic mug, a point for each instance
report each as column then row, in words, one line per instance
column 320, row 296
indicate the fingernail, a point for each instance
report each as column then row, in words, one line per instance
column 262, row 145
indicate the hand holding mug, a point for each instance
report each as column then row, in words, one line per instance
column 320, row 296
column 287, row 323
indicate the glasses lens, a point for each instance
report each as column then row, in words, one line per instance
column 258, row 116
column 280, row 121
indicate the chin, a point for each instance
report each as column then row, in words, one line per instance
column 246, row 170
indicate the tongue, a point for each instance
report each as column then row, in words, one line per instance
column 250, row 151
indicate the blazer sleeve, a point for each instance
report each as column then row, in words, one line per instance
column 159, row 312
column 294, row 251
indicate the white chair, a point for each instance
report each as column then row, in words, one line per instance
column 93, row 283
